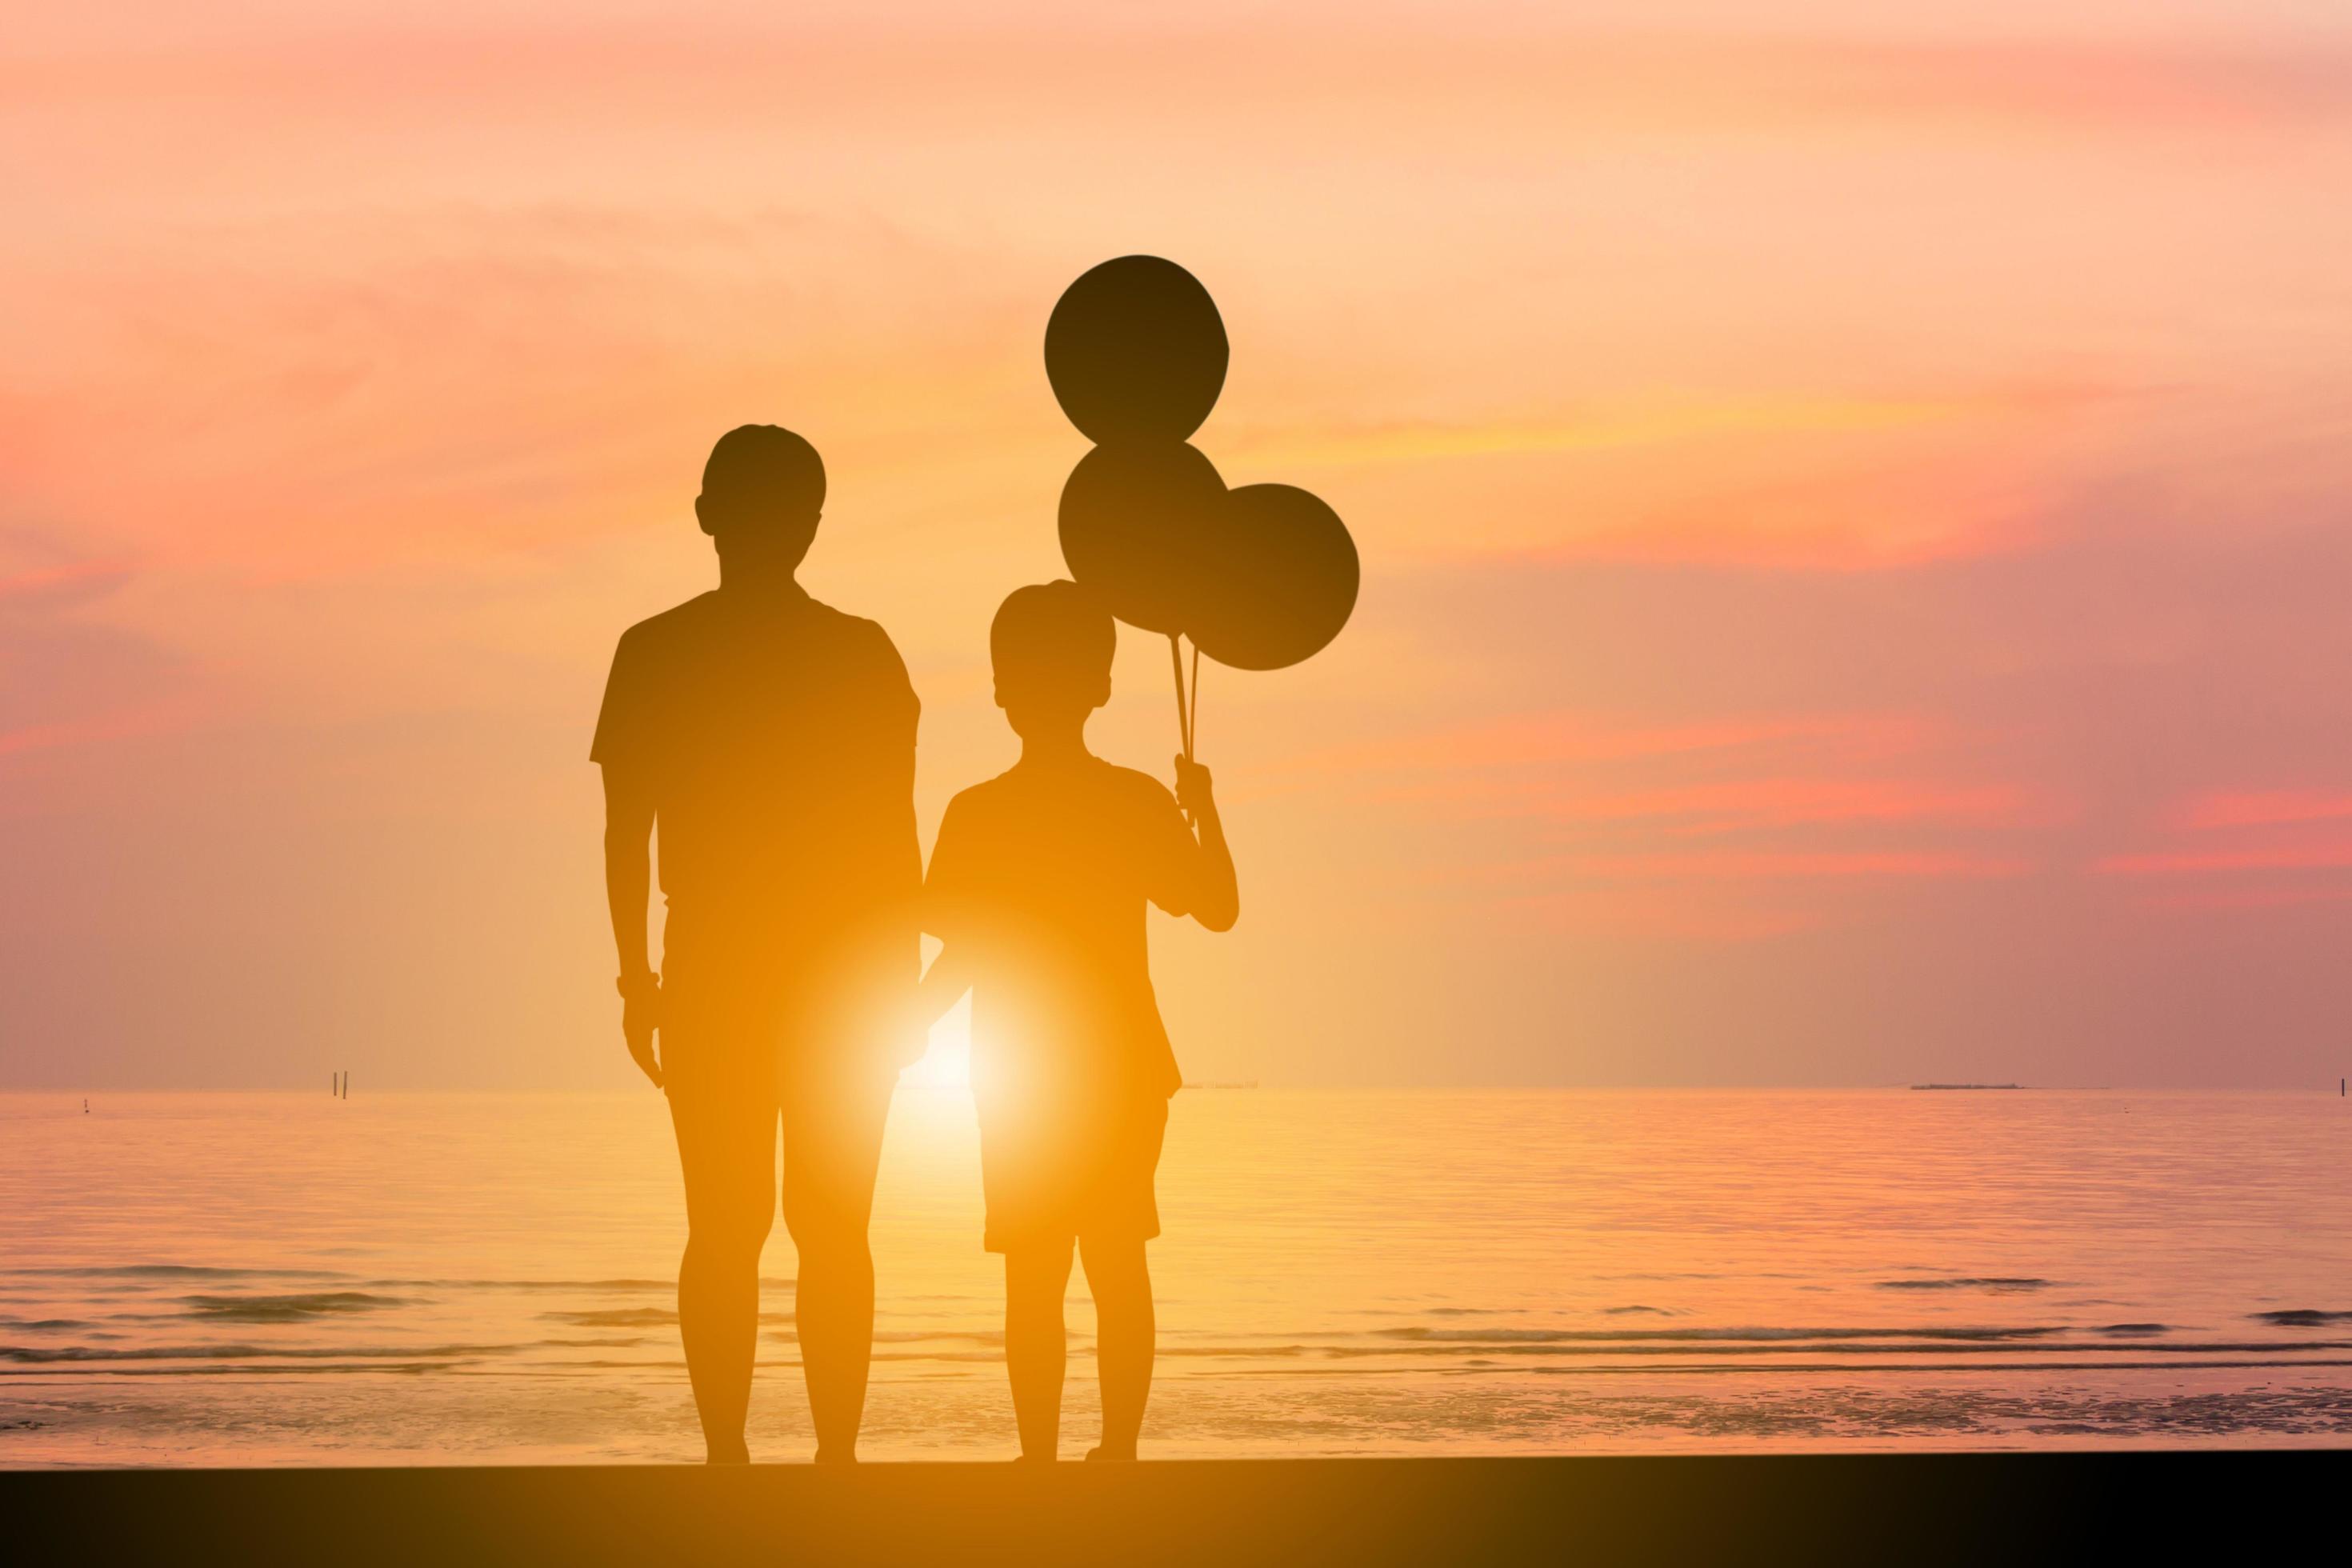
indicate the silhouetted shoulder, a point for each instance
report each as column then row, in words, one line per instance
column 629, row 720
column 977, row 801
column 1141, row 790
column 868, row 648
column 657, row 632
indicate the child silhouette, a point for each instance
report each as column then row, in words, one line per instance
column 1037, row 889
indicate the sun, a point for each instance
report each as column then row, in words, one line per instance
column 948, row 1062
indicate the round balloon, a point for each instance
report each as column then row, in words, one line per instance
column 1136, row 350
column 1280, row 579
column 1133, row 519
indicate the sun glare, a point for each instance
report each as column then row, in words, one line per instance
column 948, row 1063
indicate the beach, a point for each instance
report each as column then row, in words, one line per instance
column 1914, row 1509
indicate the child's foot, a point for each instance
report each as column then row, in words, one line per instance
column 1107, row 1453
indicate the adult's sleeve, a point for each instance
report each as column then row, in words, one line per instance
column 946, row 889
column 877, row 750
column 621, row 722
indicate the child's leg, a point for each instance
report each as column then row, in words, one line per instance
column 1036, row 1342
column 1125, row 1333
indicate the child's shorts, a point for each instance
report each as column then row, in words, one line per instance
column 1053, row 1184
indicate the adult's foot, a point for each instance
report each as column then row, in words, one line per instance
column 1106, row 1454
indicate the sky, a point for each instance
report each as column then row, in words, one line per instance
column 1855, row 504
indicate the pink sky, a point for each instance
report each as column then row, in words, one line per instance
column 1857, row 512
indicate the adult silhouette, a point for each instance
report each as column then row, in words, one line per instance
column 772, row 740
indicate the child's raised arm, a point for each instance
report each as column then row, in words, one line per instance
column 1217, row 900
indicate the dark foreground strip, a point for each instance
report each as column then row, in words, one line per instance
column 2078, row 1509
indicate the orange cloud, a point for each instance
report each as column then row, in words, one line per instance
column 1745, row 866
column 2265, row 808
column 1563, row 737
column 1734, row 804
column 2335, row 856
column 51, row 585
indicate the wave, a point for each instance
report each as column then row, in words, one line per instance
column 201, row 1272
column 170, row 1271
column 617, row 1318
column 527, row 1284
column 2302, row 1318
column 1702, row 1336
column 766, row 1283
column 1968, row 1282
column 918, row 1336
column 1859, row 1351
column 286, row 1309
column 44, row 1356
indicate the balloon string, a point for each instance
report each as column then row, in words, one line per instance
column 1183, row 720
column 1193, row 722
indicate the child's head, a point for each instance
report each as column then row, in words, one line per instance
column 1052, row 644
column 762, row 490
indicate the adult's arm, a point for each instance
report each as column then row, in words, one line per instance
column 628, row 881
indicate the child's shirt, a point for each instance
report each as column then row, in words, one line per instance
column 1039, row 877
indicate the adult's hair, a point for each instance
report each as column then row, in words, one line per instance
column 765, row 471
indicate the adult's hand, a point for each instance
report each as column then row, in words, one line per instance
column 640, row 1017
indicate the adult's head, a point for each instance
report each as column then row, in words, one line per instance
column 1051, row 645
column 763, row 492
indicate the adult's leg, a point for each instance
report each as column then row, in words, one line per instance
column 833, row 1122
column 1126, row 1335
column 726, row 1147
column 1036, row 1278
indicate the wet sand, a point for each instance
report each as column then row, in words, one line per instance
column 2081, row 1507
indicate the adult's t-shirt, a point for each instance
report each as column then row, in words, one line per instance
column 776, row 738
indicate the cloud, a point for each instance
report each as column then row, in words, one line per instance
column 2265, row 808
column 1772, row 866
column 50, row 588
column 74, row 679
column 2324, row 857
column 1742, row 828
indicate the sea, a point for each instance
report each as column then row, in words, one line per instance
column 216, row 1279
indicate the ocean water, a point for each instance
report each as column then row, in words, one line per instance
column 216, row 1279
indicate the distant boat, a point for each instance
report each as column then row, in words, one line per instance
column 1968, row 1086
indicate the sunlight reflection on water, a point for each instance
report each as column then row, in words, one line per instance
column 212, row 1278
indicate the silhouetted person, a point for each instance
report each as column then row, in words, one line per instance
column 772, row 740
column 1037, row 887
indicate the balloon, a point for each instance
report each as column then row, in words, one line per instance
column 1280, row 578
column 1133, row 518
column 1136, row 350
